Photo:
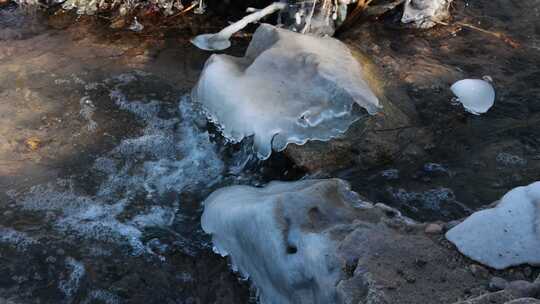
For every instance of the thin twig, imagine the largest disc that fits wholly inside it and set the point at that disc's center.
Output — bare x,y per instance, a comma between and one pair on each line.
187,9
498,35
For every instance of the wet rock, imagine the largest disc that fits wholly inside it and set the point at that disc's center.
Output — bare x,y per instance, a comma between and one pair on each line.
497,284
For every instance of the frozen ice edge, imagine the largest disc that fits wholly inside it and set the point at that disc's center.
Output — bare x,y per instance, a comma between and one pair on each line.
288,88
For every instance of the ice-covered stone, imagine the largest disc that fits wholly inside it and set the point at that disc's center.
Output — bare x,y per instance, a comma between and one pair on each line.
289,88
425,13
506,235
476,95
288,255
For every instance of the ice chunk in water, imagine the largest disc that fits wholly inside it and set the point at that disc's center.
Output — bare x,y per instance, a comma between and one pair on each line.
504,236
281,236
289,88
476,95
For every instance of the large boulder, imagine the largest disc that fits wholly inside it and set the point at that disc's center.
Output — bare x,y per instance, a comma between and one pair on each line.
504,236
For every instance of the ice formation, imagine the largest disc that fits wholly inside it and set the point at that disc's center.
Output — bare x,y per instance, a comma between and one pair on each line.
476,95
280,236
220,41
425,13
440,200
289,88
504,236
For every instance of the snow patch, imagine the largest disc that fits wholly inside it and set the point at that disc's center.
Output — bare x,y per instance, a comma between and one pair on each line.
504,236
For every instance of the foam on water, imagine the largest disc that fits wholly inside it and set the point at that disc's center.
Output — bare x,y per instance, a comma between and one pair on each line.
171,155
440,200
102,296
71,284
510,160
20,240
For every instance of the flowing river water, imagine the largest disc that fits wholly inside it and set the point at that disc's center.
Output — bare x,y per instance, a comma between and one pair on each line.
104,161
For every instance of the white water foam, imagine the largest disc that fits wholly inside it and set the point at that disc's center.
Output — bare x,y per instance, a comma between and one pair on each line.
171,155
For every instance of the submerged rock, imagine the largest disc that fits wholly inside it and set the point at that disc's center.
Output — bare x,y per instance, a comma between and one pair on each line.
316,241
289,88
504,236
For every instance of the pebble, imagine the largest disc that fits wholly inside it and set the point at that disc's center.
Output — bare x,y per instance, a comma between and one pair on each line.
479,271
523,288
433,229
497,283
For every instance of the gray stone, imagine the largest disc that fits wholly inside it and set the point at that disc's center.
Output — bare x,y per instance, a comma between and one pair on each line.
497,283
433,229
523,289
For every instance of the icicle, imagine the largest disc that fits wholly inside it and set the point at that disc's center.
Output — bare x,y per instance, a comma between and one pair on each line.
220,41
